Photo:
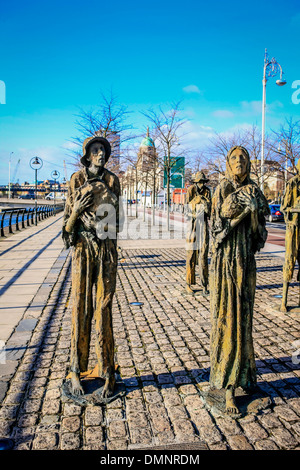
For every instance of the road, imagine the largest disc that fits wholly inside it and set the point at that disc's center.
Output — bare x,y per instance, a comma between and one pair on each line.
276,231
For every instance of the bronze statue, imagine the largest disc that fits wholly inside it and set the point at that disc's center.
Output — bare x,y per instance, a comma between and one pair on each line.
198,199
94,262
238,232
291,209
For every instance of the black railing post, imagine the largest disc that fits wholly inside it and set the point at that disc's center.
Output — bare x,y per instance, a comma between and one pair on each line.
10,220
28,216
23,216
17,219
3,213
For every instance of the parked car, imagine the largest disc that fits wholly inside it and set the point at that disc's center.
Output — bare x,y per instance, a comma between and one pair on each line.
276,215
58,196
26,196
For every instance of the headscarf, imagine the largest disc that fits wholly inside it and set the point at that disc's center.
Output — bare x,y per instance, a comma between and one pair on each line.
229,174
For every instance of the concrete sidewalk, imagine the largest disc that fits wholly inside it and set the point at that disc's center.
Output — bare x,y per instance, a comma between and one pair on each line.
25,260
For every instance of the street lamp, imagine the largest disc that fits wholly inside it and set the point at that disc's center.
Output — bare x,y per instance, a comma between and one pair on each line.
36,164
271,69
9,174
55,175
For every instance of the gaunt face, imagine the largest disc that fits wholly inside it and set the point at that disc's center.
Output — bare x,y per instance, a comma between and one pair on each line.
238,161
96,154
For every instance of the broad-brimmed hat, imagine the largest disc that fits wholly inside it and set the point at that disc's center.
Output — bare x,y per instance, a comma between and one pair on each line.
90,140
200,176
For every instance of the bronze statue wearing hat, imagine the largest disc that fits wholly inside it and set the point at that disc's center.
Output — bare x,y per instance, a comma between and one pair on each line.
198,199
290,206
94,262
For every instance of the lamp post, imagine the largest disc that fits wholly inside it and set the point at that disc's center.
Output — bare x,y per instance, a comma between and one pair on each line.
271,69
36,164
9,163
55,175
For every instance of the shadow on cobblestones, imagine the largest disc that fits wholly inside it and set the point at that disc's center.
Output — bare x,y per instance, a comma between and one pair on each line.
162,351
262,269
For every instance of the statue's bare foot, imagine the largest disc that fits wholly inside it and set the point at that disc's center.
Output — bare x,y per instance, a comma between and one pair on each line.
76,387
189,290
283,308
108,388
230,402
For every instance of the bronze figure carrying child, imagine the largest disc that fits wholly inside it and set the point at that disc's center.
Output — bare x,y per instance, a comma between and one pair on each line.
94,261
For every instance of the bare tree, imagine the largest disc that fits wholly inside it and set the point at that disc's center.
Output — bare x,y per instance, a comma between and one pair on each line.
166,127
109,120
250,138
285,144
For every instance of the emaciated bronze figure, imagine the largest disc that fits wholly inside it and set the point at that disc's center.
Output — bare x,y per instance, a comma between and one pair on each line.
94,262
198,199
238,232
291,209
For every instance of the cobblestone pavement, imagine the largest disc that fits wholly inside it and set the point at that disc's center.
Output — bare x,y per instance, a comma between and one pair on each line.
162,349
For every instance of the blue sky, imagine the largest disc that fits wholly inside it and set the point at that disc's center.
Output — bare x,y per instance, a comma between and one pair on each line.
60,55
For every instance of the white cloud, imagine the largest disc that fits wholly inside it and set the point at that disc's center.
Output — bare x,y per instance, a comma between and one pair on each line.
195,135
251,107
223,113
243,126
192,89
254,108
70,145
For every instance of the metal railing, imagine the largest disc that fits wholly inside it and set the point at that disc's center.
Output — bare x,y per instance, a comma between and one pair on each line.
24,217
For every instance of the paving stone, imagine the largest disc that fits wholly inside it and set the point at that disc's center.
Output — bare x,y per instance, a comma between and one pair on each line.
117,444
71,424
266,444
239,442
116,430
286,413
254,431
183,430
283,438
219,446
27,420
140,436
70,441
270,421
8,412
31,406
45,441
229,427
14,398
93,435
114,414
70,409
51,407
93,416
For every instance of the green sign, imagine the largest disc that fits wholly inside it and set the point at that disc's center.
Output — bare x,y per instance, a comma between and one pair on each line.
177,165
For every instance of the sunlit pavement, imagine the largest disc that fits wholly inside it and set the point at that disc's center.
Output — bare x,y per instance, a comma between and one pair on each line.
162,350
